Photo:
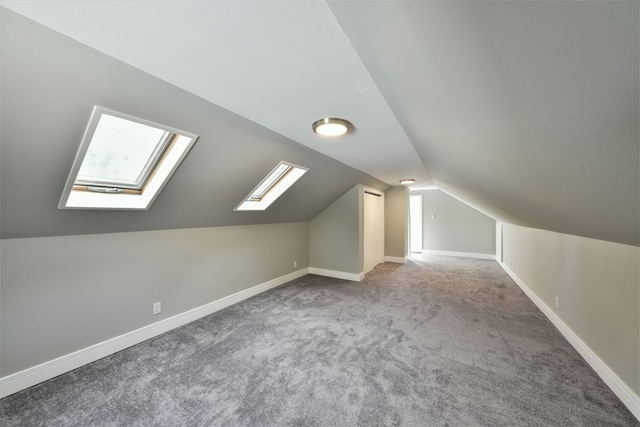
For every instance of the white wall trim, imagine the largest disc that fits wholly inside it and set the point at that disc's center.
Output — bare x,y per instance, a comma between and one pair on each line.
619,387
354,277
396,259
37,374
459,254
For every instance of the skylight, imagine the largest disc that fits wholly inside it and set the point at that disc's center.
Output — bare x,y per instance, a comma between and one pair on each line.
122,153
123,162
273,186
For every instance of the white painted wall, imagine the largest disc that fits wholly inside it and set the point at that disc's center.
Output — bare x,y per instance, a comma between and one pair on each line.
598,287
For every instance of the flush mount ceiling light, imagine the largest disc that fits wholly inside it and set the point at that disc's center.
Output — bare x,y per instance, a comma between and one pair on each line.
332,126
407,181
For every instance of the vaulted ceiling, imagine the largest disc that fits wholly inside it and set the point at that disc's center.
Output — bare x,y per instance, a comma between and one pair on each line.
528,111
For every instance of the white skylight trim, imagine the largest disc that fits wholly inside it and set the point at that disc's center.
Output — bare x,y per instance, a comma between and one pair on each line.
128,173
273,186
269,181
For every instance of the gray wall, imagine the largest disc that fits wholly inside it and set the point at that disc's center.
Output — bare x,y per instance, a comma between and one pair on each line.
457,227
598,285
335,235
62,294
396,236
49,85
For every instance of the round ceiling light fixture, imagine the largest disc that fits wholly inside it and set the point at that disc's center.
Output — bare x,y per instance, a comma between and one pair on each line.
332,126
407,181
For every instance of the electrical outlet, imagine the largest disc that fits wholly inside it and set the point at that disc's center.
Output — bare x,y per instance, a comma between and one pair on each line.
157,308
295,264
557,302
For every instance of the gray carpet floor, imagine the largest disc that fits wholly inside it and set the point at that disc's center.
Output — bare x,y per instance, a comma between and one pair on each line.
438,341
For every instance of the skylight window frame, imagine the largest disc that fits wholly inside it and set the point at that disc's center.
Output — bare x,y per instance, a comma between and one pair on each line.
276,183
156,156
167,157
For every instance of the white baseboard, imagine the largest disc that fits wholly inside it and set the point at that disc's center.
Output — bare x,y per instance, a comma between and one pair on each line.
37,374
619,387
354,277
396,259
459,254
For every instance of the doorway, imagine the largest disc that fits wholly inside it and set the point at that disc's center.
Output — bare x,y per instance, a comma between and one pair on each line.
415,223
373,236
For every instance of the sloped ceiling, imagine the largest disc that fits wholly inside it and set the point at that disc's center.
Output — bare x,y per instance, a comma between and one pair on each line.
49,86
528,111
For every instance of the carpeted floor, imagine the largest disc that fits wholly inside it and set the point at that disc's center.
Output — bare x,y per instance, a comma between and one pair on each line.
439,341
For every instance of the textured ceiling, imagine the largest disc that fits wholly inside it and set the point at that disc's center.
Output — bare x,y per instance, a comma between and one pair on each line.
528,111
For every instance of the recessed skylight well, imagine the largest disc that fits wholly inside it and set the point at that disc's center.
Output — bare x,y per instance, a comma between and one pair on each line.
123,162
283,176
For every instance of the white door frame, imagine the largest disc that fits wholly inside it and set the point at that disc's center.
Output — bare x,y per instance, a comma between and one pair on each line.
415,223
373,229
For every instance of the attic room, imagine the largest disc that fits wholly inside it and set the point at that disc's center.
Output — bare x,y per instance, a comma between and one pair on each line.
500,285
